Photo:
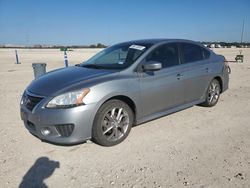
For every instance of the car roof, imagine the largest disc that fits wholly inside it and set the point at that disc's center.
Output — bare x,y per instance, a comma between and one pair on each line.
155,41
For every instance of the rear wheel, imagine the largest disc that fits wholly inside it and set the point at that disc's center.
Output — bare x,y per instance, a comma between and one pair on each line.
212,94
112,123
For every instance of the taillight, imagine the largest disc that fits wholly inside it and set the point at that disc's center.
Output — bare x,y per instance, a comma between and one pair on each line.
226,62
227,65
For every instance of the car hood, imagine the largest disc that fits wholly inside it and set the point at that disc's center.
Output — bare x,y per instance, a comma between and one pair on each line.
65,79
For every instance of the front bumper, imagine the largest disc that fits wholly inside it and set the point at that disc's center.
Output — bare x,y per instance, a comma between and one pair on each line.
66,126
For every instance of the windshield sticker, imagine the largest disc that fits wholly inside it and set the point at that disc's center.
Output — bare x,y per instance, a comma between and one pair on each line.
120,62
137,47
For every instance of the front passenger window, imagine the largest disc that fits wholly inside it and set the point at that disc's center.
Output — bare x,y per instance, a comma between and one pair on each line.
166,54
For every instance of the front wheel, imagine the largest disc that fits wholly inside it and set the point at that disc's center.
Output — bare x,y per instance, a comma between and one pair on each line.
212,94
112,123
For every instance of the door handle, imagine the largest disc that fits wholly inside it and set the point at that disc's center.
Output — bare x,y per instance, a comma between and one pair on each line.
178,76
208,70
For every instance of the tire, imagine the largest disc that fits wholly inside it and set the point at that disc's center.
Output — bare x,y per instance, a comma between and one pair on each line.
212,94
112,123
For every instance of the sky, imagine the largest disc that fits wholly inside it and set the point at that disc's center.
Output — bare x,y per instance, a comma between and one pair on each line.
84,22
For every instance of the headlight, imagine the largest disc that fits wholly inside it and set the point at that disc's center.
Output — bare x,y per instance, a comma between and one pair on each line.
69,99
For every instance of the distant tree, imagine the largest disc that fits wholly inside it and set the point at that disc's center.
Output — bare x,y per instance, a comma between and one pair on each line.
99,45
92,46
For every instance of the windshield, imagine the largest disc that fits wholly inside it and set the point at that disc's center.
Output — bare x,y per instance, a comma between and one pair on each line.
119,56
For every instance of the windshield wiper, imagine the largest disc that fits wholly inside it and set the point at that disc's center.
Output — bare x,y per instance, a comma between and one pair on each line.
93,66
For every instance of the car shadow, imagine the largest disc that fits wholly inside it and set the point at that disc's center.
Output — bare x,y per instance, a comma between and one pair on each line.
40,170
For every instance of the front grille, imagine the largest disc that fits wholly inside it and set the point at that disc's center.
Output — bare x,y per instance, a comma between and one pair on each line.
31,101
65,130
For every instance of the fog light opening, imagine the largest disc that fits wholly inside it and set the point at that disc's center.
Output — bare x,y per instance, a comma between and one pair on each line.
46,131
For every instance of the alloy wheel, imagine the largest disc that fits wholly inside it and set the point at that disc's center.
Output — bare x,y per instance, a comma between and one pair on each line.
213,93
115,124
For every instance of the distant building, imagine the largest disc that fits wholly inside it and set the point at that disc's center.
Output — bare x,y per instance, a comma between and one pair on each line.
13,46
212,45
217,46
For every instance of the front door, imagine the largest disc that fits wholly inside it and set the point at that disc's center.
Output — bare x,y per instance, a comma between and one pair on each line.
162,90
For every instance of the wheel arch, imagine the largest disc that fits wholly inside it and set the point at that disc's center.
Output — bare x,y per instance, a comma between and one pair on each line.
126,100
219,79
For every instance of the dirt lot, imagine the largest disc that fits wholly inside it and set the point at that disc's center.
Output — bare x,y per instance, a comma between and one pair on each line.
197,147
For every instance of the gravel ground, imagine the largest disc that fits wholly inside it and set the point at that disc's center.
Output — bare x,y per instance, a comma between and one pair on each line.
197,147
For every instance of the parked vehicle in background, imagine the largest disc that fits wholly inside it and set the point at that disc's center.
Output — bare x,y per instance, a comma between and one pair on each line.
123,85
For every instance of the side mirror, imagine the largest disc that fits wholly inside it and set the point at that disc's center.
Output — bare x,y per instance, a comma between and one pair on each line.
152,66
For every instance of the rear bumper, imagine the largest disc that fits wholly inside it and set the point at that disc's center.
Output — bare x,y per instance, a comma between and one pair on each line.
66,126
225,77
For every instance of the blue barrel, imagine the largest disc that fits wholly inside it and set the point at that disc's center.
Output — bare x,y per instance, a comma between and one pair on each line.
39,69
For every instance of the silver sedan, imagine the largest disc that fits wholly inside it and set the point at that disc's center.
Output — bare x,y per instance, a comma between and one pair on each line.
123,85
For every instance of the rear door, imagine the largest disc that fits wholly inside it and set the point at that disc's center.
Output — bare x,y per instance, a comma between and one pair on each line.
197,72
163,89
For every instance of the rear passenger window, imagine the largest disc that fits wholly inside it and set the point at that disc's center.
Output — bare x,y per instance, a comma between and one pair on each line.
166,54
192,53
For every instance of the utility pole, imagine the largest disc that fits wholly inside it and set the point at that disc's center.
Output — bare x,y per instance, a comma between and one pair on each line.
242,31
